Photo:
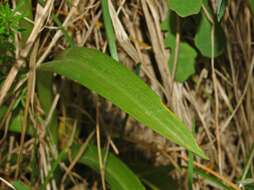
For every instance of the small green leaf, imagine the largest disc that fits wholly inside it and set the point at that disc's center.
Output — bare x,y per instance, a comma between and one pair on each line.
109,29
190,164
3,110
186,55
185,8
170,40
220,8
248,183
45,95
165,24
186,62
118,175
20,186
16,123
113,81
251,5
25,8
247,168
203,38
212,180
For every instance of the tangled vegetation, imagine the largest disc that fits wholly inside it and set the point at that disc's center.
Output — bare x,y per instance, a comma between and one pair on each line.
126,95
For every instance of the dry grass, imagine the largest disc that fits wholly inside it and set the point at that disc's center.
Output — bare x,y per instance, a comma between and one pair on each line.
221,100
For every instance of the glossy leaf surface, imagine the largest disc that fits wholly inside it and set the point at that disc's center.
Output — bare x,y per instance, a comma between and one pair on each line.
113,81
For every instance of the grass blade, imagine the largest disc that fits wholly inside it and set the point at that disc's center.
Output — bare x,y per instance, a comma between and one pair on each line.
109,29
220,9
190,163
247,166
190,170
212,180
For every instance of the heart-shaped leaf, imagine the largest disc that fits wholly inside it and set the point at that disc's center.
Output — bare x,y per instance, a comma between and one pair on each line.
186,54
203,38
185,62
185,8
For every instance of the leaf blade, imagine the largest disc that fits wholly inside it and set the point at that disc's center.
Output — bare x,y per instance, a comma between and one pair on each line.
203,38
220,9
118,175
185,63
113,81
185,8
20,186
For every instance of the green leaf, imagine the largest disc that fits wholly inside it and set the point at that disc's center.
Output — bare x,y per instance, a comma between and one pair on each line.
190,164
155,177
44,85
113,81
3,110
20,186
185,8
109,29
25,8
251,5
16,123
220,8
118,175
247,183
69,40
247,168
203,38
186,54
212,180
186,62
165,24
170,40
